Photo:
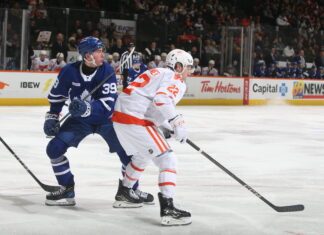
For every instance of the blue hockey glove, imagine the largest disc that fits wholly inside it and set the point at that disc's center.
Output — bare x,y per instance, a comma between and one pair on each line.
51,124
79,108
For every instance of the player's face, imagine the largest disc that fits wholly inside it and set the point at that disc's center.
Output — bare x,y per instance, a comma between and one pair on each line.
99,56
184,71
187,71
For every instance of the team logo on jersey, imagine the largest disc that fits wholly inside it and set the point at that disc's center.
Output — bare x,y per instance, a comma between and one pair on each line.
3,85
154,72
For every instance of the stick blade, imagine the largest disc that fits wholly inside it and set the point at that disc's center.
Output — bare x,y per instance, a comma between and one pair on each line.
50,188
292,208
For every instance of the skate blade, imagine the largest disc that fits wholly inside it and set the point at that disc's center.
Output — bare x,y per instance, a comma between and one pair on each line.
169,221
149,203
61,202
123,204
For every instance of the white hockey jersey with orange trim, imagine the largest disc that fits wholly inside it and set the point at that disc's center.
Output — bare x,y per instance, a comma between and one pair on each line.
150,98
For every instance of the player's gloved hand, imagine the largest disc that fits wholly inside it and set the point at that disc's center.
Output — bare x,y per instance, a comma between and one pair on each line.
79,108
51,124
179,128
166,132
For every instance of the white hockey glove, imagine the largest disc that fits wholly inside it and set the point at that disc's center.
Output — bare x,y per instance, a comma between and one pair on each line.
179,128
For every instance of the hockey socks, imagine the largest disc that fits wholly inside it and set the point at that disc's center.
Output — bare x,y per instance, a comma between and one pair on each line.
61,168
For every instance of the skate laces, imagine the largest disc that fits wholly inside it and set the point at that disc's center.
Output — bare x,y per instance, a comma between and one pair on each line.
133,194
141,193
59,192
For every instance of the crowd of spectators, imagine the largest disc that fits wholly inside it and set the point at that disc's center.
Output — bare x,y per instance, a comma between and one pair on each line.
289,31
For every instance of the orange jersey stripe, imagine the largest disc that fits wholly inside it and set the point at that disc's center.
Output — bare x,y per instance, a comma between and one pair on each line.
167,184
124,118
169,170
161,93
159,104
155,140
130,178
161,139
136,168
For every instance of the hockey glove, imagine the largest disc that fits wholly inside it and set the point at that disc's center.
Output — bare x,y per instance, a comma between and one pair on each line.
79,108
51,124
179,128
166,132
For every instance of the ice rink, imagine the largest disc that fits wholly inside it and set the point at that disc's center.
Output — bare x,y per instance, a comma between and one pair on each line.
278,150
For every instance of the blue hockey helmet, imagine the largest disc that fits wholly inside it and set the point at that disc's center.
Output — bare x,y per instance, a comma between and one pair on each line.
89,45
137,60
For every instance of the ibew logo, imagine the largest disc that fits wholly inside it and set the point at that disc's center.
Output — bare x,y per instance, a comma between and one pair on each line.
283,89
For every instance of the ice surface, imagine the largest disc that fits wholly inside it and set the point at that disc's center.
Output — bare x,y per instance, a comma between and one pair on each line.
278,150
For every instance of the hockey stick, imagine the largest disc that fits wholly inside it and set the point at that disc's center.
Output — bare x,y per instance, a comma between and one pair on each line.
101,83
47,188
291,208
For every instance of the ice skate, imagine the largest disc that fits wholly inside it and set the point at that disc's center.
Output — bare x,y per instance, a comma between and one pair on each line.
170,215
127,198
62,197
147,198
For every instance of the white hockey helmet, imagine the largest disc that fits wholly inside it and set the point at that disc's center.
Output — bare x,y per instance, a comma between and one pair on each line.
179,56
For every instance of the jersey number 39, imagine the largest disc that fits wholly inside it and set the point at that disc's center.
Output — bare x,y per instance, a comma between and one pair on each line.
109,88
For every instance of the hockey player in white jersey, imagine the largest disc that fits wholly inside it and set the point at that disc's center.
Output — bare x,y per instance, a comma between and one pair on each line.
147,103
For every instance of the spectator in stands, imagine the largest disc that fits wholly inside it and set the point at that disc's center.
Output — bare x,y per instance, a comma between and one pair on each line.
194,52
105,40
319,60
285,71
321,73
293,70
300,59
58,63
118,47
288,52
41,63
271,57
72,45
210,49
162,63
210,70
109,59
271,71
115,62
282,20
230,71
156,61
313,72
260,70
31,56
151,51
196,67
59,46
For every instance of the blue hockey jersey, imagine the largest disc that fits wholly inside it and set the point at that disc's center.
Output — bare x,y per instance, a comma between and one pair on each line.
133,74
72,83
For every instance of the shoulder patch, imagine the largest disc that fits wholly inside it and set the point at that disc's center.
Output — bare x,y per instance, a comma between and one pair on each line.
154,72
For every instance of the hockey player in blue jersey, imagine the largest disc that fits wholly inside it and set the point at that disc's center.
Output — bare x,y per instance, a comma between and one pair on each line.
137,69
74,82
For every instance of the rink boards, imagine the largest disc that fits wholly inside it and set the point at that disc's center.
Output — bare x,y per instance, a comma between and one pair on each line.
32,88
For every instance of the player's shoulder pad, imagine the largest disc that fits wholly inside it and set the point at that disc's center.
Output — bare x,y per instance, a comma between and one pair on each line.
107,70
168,72
69,69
